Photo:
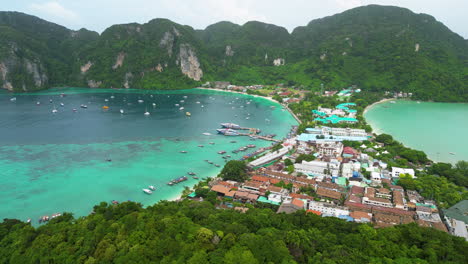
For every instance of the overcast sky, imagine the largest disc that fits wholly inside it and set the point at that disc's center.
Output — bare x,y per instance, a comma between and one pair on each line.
99,14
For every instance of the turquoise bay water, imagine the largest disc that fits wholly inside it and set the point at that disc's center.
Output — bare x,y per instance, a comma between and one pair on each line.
435,128
57,162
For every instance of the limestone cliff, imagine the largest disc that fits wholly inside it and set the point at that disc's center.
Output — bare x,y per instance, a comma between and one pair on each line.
189,64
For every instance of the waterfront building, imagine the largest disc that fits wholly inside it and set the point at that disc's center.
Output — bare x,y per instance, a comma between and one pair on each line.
396,172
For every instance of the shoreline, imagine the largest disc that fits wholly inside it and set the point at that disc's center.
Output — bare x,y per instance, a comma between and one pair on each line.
376,103
254,95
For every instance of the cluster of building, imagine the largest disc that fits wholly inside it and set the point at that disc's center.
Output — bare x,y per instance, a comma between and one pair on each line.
342,113
333,184
343,93
399,94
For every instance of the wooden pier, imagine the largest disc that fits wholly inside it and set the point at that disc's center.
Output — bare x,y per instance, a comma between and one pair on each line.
260,137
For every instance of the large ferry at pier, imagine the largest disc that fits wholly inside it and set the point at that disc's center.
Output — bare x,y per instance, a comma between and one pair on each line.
230,125
227,132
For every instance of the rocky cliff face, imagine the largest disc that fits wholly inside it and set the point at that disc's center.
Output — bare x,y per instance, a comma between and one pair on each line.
32,74
189,64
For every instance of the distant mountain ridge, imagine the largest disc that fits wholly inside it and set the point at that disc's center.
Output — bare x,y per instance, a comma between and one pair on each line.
377,47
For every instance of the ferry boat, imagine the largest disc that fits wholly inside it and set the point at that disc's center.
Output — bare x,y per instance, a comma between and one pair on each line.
178,180
230,125
227,132
147,191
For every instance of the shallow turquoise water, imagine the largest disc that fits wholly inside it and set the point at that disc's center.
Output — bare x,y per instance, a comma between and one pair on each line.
57,162
435,128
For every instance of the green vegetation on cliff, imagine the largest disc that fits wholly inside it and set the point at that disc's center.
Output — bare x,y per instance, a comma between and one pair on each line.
196,232
379,48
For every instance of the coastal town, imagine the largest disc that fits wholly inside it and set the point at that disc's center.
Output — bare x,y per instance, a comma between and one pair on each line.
330,172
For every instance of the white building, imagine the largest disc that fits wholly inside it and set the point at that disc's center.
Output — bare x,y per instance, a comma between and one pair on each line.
347,169
348,132
270,156
319,169
327,208
329,148
457,228
397,171
376,177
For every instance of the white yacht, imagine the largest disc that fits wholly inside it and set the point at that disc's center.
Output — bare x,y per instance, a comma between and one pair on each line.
182,108
154,104
140,101
147,191
147,113
121,111
13,99
152,188
62,105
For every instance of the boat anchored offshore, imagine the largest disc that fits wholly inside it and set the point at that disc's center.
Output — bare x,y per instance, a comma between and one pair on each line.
227,132
121,111
147,191
152,188
188,114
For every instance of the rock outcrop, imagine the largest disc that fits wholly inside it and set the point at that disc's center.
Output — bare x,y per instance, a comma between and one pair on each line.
86,67
119,60
3,75
94,84
189,64
167,42
229,51
128,77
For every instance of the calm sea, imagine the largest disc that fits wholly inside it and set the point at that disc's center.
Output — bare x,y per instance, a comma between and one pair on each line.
58,162
438,129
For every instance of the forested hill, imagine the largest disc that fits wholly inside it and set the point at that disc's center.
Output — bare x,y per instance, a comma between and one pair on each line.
375,47
198,233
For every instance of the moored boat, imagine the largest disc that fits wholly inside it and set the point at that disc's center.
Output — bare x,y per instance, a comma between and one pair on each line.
147,191
230,125
227,132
